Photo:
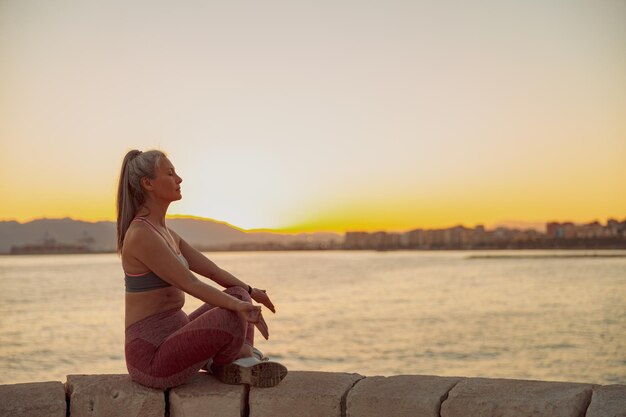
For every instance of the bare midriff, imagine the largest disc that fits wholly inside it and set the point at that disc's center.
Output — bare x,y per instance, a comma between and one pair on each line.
145,304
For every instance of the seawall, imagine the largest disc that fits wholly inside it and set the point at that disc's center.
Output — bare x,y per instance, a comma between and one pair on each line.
314,394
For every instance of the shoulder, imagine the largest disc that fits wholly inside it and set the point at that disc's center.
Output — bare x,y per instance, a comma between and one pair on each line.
144,244
139,234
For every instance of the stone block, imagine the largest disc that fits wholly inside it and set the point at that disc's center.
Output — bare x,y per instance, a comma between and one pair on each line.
33,399
205,396
608,401
514,398
303,394
112,396
399,396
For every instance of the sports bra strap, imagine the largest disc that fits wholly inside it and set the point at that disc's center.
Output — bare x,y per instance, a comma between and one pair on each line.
145,220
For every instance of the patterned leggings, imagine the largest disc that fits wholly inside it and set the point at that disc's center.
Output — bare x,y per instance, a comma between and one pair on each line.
164,350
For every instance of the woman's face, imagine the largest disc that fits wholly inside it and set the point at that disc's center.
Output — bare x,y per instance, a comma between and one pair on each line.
166,185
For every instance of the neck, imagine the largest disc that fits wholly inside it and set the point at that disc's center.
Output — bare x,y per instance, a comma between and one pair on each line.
155,211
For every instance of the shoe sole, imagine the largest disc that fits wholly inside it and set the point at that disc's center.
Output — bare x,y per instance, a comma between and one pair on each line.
262,375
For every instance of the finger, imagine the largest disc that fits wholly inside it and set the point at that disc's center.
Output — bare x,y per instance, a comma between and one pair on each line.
255,314
262,326
268,303
263,330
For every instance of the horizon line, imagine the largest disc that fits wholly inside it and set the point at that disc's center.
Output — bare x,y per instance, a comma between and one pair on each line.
287,232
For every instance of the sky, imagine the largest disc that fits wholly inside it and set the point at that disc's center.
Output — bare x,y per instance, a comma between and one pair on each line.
319,116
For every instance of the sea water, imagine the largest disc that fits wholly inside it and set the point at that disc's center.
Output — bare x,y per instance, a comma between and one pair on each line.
528,315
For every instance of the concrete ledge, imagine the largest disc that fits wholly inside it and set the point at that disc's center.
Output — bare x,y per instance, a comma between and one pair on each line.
303,394
33,400
205,396
112,396
483,397
315,394
399,396
608,401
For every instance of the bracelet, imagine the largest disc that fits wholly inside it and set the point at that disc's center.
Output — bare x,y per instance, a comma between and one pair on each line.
250,290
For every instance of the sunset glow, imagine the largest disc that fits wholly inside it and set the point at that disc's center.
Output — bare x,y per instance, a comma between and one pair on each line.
332,117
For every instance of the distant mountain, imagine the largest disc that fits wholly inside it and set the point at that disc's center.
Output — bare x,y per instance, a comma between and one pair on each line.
207,233
200,233
62,230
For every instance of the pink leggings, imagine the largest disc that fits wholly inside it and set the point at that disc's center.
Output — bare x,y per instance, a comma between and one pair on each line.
166,349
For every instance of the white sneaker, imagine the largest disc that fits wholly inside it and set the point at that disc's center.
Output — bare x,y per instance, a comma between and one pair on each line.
259,355
251,371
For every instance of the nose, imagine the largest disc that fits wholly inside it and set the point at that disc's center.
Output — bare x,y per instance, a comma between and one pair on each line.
179,179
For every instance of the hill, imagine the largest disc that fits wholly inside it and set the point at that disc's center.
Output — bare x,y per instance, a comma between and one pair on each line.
203,234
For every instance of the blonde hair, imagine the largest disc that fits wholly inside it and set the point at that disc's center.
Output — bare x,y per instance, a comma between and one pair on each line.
130,194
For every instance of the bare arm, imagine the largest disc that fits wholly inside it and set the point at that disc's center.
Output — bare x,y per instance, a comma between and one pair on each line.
202,265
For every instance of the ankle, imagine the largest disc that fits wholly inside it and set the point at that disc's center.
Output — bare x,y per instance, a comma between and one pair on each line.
245,352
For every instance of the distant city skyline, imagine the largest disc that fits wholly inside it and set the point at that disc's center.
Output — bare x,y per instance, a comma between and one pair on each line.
62,236
307,116
542,227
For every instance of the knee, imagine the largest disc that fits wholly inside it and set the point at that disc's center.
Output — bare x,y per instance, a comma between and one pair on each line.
239,292
237,326
223,320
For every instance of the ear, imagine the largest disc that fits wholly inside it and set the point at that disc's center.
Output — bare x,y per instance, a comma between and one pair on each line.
146,183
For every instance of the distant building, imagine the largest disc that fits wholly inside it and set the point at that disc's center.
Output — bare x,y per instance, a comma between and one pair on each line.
566,235
593,230
561,230
356,240
416,238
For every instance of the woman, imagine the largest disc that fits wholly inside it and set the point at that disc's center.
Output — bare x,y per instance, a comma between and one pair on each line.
164,346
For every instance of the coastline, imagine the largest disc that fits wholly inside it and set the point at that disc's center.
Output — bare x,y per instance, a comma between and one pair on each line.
287,249
593,255
60,236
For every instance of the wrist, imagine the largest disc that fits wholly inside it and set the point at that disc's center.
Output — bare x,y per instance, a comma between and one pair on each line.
236,304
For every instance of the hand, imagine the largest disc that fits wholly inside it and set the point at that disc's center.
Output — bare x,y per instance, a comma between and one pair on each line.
252,314
260,296
248,311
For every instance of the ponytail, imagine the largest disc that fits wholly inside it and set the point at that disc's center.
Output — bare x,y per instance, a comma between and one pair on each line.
130,194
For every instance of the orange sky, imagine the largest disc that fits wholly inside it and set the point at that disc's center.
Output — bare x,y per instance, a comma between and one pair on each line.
335,117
